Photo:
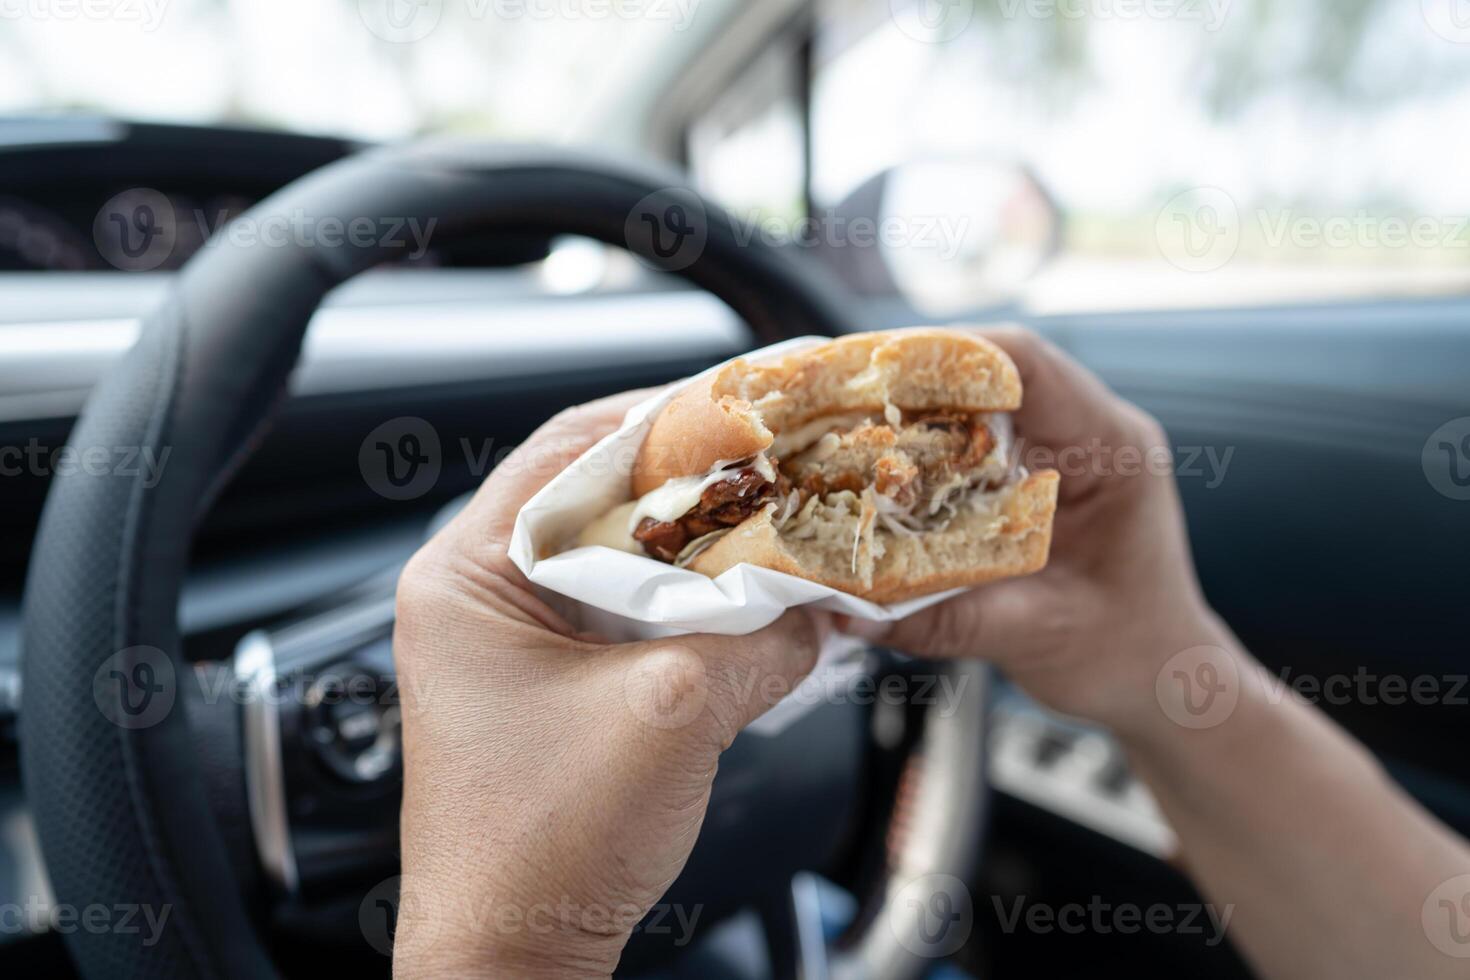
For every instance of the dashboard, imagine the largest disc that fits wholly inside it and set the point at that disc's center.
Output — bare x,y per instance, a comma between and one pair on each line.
64,178
82,194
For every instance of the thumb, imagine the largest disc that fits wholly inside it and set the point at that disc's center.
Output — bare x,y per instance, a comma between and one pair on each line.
990,623
720,684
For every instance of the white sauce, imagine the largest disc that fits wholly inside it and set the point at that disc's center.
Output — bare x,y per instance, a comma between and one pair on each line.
804,436
679,496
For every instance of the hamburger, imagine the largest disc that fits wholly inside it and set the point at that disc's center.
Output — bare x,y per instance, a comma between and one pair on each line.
882,464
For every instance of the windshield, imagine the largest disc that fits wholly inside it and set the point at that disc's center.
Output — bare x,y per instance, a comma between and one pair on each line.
1198,151
1195,151
374,69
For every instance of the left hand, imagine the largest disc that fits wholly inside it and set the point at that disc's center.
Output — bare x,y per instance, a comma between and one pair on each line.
554,784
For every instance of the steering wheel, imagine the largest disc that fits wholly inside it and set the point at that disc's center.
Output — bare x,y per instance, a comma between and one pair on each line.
121,772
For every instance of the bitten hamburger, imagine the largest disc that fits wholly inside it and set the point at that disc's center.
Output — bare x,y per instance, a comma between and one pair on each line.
881,464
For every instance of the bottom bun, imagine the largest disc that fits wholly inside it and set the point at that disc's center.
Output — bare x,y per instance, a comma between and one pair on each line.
1010,537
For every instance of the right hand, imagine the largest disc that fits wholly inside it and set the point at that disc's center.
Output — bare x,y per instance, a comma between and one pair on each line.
554,783
1088,635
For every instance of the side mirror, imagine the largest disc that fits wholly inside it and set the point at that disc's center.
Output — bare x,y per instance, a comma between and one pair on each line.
950,236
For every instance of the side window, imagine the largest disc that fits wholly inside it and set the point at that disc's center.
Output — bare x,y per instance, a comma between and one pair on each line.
747,149
1191,152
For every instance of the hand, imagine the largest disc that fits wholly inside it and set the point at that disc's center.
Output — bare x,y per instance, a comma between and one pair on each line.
1088,635
554,784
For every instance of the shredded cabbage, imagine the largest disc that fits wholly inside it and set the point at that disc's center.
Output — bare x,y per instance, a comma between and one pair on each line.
871,511
695,548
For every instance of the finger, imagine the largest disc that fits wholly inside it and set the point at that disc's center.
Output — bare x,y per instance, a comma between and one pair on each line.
1063,401
549,450
717,685
992,623
1069,420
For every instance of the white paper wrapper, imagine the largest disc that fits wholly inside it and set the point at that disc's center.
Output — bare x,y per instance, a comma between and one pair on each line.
631,597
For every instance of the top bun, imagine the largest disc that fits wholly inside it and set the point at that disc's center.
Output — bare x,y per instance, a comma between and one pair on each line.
736,412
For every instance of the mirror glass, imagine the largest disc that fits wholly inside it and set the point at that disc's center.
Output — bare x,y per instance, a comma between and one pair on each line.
961,234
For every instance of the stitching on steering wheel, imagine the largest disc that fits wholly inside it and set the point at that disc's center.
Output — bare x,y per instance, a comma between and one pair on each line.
173,341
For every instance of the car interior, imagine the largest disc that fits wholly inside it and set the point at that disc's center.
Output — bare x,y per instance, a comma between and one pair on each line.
1248,219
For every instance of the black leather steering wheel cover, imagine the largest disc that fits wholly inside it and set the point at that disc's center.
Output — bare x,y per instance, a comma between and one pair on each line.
121,811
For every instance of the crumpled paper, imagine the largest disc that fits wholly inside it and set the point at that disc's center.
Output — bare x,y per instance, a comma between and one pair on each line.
631,597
